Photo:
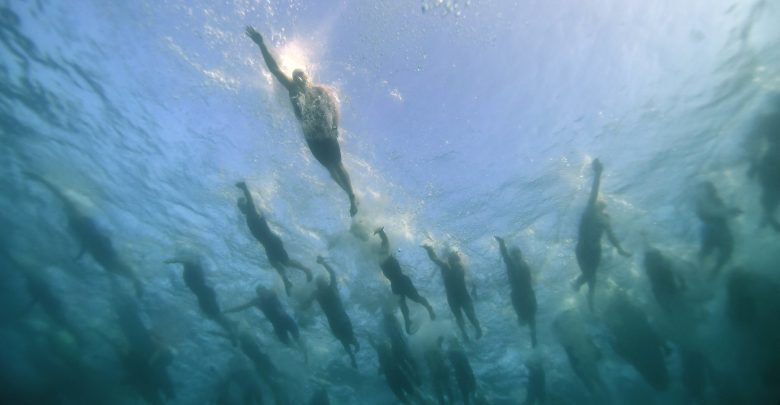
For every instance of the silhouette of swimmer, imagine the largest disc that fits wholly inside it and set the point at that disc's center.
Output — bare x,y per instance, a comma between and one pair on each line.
667,285
317,112
440,373
458,298
594,223
400,283
263,365
320,397
267,302
523,297
41,293
464,374
767,168
399,382
274,249
195,280
150,354
715,232
582,353
239,385
327,295
399,345
536,392
92,239
636,342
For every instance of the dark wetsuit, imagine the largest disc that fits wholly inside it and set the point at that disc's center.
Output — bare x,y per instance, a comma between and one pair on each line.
665,283
716,235
284,325
458,296
588,248
196,282
339,321
536,391
440,376
400,283
464,375
399,346
396,379
270,241
522,292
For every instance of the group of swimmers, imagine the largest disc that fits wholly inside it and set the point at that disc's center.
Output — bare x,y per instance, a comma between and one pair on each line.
145,357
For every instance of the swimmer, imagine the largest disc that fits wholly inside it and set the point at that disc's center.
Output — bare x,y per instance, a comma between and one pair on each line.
317,112
272,244
715,232
667,284
767,168
93,240
399,345
398,381
440,373
536,393
195,280
594,223
454,275
327,295
284,325
400,283
464,374
523,296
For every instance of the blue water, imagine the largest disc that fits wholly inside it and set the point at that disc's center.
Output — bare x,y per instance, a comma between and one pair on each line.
459,121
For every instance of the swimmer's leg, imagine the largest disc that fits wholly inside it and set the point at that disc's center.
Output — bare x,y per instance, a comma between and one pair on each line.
591,290
296,264
340,176
468,308
416,297
405,313
283,274
578,282
456,310
532,328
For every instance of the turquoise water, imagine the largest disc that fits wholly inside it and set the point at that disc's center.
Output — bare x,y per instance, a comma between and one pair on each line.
459,121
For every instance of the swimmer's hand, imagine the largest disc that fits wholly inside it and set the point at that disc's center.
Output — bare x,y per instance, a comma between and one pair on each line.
241,185
379,230
499,239
426,246
597,166
254,35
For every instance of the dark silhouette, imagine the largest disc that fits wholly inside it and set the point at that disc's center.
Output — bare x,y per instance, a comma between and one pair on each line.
454,276
715,232
536,392
327,295
594,223
399,382
274,250
195,280
400,283
317,111
93,240
523,296
667,285
284,325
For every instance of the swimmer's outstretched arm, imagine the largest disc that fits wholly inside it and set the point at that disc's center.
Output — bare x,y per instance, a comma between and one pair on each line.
330,270
594,190
269,59
248,196
433,257
613,239
502,248
385,243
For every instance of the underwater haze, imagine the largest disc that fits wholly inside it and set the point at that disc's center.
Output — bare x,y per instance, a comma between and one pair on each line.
125,126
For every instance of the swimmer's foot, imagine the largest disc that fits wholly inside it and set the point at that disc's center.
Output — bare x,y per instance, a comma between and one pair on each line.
353,206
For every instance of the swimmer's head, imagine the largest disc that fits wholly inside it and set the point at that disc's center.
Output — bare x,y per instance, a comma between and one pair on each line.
242,205
300,78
